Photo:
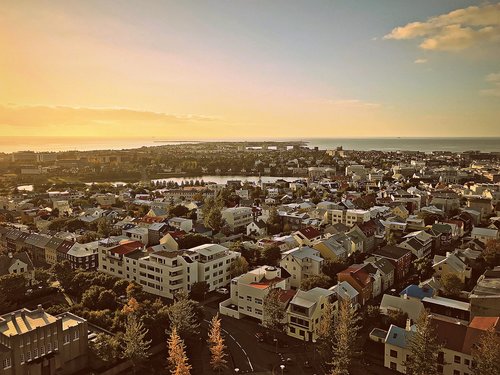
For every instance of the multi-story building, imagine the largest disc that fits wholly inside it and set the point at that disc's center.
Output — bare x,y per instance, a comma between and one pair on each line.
358,275
35,342
249,290
399,257
305,312
164,272
350,217
237,217
459,340
83,255
18,264
419,243
301,263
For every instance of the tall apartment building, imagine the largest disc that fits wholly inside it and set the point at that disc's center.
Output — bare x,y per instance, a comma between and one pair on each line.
301,263
163,272
350,217
35,342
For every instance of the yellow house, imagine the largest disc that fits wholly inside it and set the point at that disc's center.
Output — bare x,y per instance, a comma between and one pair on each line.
305,311
451,264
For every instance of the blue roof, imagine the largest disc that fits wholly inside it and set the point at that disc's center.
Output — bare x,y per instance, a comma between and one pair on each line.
398,336
417,292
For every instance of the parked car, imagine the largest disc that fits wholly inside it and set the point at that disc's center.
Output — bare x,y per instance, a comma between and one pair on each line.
222,290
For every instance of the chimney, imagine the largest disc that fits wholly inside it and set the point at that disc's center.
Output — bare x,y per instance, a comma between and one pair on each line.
408,324
10,254
39,308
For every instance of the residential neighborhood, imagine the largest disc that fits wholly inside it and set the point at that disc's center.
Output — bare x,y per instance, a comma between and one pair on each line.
395,247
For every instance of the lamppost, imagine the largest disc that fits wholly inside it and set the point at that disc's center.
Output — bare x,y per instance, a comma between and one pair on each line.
282,367
276,343
236,370
314,349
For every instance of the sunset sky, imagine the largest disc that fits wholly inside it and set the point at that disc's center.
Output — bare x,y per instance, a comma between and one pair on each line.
249,69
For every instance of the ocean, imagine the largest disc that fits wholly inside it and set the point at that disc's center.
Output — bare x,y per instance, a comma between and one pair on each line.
490,144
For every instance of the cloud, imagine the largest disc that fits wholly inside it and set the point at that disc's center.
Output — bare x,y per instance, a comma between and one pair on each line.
420,61
454,31
39,116
354,103
494,80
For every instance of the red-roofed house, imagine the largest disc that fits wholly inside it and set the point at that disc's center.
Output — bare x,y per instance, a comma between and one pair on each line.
307,236
359,278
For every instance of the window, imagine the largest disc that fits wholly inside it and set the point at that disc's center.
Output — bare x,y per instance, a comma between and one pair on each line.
258,301
42,350
394,366
35,352
28,355
467,362
457,359
66,338
55,345
22,358
394,353
249,298
456,372
7,363
49,347
249,308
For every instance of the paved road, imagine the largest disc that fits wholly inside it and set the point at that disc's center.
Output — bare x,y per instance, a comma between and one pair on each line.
249,356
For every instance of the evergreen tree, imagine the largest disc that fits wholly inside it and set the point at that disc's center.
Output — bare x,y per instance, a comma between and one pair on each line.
177,359
487,354
326,330
274,311
134,344
345,334
424,348
182,316
217,347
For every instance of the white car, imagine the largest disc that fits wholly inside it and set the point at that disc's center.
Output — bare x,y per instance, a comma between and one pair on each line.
222,290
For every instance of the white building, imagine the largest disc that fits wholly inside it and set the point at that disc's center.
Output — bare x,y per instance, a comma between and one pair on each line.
350,217
237,217
181,223
164,272
249,290
301,263
484,234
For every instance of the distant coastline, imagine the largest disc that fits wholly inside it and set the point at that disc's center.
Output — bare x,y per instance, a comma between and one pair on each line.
425,144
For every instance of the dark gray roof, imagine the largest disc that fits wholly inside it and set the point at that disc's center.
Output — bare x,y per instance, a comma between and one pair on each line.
6,261
54,243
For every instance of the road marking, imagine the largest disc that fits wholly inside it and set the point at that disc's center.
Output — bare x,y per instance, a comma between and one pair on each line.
237,343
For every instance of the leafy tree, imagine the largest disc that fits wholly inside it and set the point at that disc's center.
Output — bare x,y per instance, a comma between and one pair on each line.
57,224
487,354
217,347
134,344
345,331
274,311
198,290
120,287
214,219
271,255
177,359
183,316
423,266
178,211
326,330
238,267
313,281
90,297
397,317
491,253
424,348
106,300
332,267
452,284
103,227
105,347
273,221
13,286
373,314
73,225
42,276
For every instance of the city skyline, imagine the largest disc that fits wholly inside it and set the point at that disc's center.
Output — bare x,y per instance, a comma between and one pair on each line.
212,69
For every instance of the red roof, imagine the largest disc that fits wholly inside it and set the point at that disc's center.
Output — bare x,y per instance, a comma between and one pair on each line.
127,247
358,273
310,232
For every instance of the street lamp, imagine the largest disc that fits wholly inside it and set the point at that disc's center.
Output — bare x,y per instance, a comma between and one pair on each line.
276,342
282,367
314,349
236,370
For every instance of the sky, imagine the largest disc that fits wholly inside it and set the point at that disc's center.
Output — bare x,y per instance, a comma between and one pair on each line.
247,69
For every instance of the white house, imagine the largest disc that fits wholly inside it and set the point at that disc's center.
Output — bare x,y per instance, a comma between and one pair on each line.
301,263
